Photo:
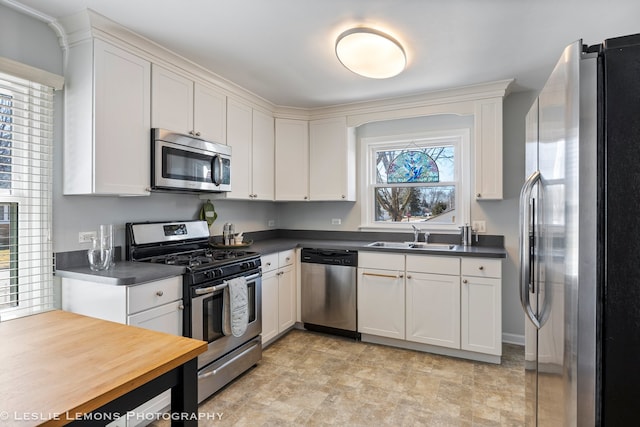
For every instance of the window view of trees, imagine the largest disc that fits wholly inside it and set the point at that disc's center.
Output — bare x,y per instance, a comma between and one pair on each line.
421,188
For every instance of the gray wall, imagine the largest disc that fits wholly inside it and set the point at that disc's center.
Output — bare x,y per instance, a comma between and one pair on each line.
36,44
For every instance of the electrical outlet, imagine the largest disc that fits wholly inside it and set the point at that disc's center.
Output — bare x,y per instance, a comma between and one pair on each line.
86,236
336,221
479,226
271,223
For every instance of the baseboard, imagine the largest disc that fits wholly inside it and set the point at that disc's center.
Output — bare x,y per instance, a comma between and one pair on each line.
513,339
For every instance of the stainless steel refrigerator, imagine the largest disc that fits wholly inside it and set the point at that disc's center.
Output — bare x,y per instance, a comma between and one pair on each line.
580,240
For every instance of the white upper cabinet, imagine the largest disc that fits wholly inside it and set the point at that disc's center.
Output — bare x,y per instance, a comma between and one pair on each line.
292,159
250,134
107,121
209,113
181,105
239,118
263,156
332,154
488,149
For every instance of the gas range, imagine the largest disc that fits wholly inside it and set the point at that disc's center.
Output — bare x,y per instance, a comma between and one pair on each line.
206,294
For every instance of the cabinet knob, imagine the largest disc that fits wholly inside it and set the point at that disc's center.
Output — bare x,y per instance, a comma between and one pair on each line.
197,133
268,264
401,276
306,197
478,195
464,281
287,259
181,307
408,276
344,197
159,293
481,267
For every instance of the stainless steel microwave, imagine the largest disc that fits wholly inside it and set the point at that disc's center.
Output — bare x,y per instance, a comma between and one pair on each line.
185,163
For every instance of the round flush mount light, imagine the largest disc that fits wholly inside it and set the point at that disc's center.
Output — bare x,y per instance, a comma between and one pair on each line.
370,53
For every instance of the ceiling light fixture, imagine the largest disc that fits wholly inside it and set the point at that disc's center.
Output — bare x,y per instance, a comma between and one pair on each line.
370,53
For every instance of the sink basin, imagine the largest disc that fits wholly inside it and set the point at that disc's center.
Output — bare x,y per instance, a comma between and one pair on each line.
433,246
413,245
399,245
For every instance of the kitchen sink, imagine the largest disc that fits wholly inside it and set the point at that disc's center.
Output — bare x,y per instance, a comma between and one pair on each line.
413,245
399,245
433,246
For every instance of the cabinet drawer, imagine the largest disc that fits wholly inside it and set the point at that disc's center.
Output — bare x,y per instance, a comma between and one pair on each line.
269,262
165,318
286,257
482,267
434,264
381,260
153,294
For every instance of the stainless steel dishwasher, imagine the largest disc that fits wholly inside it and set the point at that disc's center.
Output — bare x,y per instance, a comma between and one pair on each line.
329,291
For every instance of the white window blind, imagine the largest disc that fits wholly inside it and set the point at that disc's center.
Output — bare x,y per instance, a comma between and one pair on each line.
26,259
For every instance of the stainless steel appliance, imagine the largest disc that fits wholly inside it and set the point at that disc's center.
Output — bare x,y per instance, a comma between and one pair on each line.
208,271
188,164
328,294
579,223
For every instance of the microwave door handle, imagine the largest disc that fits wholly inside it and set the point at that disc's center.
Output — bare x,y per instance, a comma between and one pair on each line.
216,177
526,239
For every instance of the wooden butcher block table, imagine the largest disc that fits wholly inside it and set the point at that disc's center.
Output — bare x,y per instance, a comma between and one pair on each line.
59,367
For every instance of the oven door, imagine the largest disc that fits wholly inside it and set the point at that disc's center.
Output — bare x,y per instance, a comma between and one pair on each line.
189,168
207,312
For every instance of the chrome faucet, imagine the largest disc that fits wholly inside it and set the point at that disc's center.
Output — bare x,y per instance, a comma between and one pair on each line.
416,233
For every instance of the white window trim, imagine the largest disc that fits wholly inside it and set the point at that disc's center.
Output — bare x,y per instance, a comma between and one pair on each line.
33,194
461,138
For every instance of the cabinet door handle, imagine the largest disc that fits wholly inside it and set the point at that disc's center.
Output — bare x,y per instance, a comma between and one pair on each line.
464,281
390,276
159,293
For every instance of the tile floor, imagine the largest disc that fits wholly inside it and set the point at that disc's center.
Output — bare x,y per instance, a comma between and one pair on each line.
310,379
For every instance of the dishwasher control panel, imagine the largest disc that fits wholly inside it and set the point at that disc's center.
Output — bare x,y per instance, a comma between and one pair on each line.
330,256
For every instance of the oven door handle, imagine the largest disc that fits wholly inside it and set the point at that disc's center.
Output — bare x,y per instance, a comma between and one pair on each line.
216,288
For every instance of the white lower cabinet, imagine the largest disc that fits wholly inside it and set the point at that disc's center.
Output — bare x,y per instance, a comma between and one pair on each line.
433,309
153,305
381,294
278,293
442,304
433,300
481,306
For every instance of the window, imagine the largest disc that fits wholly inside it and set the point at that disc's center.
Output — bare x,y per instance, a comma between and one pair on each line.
420,179
26,264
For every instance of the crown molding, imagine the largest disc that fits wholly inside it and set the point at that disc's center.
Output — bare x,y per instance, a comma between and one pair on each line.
85,25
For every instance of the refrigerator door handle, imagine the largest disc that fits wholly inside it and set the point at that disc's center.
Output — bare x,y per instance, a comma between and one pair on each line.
525,238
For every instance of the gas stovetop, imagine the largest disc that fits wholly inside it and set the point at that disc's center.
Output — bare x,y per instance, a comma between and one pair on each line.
186,244
203,258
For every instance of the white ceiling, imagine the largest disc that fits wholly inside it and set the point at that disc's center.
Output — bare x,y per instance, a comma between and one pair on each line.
283,50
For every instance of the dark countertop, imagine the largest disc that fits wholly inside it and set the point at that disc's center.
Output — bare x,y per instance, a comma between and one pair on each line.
281,244
123,273
74,265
